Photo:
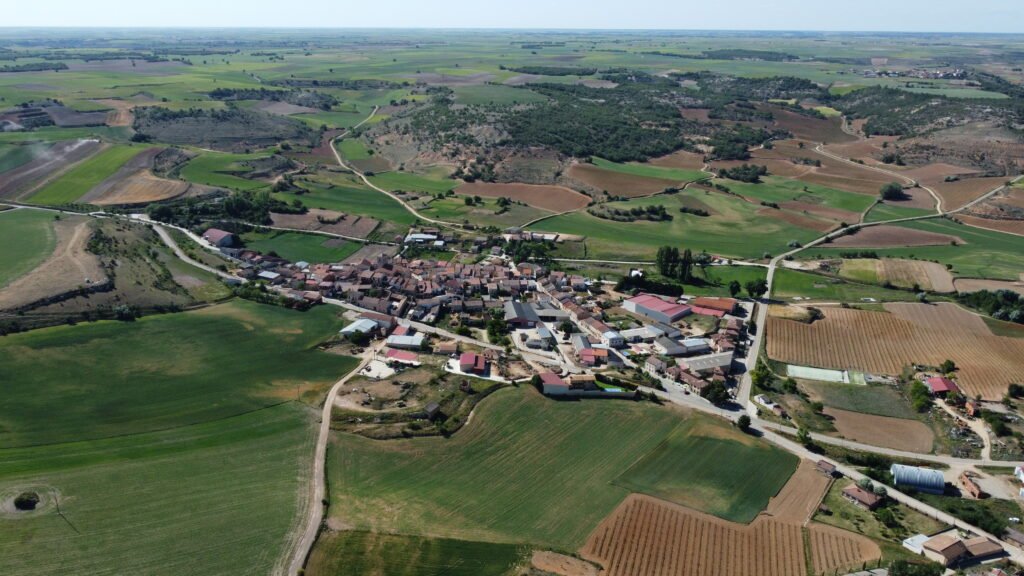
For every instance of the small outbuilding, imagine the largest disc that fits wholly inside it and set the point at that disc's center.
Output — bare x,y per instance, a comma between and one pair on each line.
920,479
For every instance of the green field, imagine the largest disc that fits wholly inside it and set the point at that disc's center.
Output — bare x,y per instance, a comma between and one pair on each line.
221,169
890,211
985,253
486,213
160,372
879,400
717,233
779,190
353,149
355,553
705,464
794,283
83,177
526,470
714,280
354,200
28,239
435,183
648,170
210,499
296,247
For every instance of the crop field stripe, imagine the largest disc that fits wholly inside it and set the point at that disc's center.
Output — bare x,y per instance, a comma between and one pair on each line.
28,239
81,178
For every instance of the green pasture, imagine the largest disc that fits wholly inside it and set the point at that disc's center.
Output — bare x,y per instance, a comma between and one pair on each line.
355,553
778,190
790,284
221,169
880,400
485,213
351,199
296,246
83,177
680,175
526,470
219,497
705,464
12,156
160,372
890,211
28,239
434,182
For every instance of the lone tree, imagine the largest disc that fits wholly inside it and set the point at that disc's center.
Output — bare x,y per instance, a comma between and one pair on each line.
893,191
743,423
26,501
735,288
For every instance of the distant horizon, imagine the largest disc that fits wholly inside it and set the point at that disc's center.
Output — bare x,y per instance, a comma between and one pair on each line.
516,29
870,16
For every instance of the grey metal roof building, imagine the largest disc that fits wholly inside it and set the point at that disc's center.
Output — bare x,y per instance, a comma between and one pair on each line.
921,479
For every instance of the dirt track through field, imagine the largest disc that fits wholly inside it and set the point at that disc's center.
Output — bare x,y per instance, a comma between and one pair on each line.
885,342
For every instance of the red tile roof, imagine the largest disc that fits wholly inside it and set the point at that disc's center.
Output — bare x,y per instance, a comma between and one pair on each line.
402,356
722,304
652,302
939,384
551,379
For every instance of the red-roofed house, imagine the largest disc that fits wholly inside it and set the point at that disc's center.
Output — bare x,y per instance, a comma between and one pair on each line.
654,307
472,363
403,357
940,386
553,385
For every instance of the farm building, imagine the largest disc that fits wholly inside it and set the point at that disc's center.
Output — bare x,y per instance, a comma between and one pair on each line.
220,238
970,486
921,479
446,348
414,342
949,549
940,386
656,308
361,326
861,497
645,333
669,347
705,364
825,467
520,315
386,323
724,305
402,357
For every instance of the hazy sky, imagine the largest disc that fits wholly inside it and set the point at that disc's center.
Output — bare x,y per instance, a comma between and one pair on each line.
861,15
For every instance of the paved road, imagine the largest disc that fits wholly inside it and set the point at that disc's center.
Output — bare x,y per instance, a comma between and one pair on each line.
315,511
169,241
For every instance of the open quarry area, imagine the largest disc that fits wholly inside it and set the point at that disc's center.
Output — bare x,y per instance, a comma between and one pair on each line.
510,302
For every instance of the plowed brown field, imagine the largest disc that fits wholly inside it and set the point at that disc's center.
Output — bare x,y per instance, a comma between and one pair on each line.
551,198
883,343
886,236
649,537
810,128
895,433
619,183
1011,226
956,194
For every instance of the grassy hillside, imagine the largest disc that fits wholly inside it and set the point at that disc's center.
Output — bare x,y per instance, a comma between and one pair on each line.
160,372
28,239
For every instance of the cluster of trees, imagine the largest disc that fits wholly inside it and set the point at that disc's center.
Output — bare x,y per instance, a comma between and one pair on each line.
893,112
551,70
307,98
893,158
734,144
254,207
746,173
1001,304
526,251
695,211
33,67
920,398
653,213
892,191
850,254
673,264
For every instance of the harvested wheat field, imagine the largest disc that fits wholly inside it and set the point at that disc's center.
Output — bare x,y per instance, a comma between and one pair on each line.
895,433
316,220
618,183
886,236
1008,226
965,285
69,267
908,333
837,214
551,198
956,194
649,537
930,276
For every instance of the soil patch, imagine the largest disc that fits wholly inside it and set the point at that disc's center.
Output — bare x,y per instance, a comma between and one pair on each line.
894,433
965,285
798,220
551,198
555,563
886,236
680,159
810,128
956,194
1010,226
